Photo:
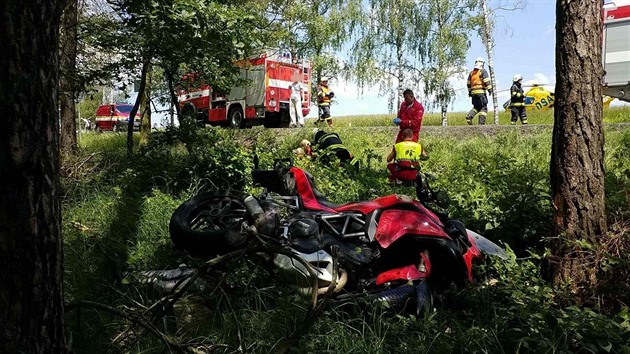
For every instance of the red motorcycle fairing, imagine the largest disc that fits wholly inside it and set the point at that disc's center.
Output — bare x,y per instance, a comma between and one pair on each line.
395,223
409,272
305,190
471,253
310,201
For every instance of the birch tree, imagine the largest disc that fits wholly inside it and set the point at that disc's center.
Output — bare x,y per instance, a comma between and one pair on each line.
444,51
388,39
487,26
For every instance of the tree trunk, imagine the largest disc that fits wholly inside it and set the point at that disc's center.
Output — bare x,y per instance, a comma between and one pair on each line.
145,104
171,91
444,116
67,94
489,42
146,63
399,73
577,158
31,299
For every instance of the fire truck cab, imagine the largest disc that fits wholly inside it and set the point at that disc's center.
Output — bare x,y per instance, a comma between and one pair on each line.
616,49
262,99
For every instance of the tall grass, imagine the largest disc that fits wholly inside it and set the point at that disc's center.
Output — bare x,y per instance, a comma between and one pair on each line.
611,115
116,213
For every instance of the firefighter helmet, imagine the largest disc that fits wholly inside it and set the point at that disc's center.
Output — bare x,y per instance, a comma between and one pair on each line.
517,77
479,62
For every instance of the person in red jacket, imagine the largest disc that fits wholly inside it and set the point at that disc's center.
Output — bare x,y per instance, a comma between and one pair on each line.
409,116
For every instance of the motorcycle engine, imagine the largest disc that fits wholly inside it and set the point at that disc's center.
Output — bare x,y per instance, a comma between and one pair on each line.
304,228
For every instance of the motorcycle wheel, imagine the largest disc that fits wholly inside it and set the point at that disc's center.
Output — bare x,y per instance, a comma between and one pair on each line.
209,224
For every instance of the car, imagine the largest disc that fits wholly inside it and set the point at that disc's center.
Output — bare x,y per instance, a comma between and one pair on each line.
115,117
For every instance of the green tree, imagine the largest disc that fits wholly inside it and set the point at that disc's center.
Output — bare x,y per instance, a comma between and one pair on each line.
204,36
315,29
388,36
31,298
444,51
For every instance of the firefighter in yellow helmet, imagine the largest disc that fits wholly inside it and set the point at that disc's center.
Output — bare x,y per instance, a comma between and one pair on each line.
517,101
324,96
478,83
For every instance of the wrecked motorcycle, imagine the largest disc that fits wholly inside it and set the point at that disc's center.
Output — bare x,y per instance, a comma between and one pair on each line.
394,249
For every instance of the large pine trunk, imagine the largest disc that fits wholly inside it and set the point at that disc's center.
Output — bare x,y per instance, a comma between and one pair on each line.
577,159
31,301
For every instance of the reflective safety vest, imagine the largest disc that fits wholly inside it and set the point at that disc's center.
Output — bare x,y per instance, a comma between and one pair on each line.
518,97
478,82
408,153
322,97
330,142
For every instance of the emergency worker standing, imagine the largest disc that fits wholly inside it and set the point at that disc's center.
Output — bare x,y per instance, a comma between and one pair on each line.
329,145
478,82
409,116
324,95
295,103
403,160
517,101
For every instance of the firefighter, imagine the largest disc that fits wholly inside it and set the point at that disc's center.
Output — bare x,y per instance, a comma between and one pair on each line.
329,145
409,116
517,101
478,82
324,95
403,160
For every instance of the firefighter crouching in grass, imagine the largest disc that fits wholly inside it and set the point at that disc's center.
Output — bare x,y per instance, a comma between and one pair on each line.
403,161
328,146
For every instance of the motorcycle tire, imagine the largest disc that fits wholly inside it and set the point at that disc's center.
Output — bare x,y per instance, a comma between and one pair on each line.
209,224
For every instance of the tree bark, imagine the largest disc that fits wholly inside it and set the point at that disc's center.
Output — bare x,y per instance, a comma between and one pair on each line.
67,94
31,299
145,105
146,63
577,158
488,41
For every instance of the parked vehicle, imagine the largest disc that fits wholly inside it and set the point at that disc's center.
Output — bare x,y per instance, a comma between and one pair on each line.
616,49
115,117
393,248
262,99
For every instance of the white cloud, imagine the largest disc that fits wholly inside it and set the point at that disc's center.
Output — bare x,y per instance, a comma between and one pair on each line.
540,79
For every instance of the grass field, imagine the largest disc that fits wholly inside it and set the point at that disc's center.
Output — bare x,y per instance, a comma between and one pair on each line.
116,212
611,115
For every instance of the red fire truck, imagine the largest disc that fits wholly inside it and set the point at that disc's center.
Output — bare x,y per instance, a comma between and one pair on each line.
616,49
263,99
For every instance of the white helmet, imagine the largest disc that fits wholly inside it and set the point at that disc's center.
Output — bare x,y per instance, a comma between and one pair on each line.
324,78
479,62
517,77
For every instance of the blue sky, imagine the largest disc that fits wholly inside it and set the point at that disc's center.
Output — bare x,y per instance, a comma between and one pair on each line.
525,44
